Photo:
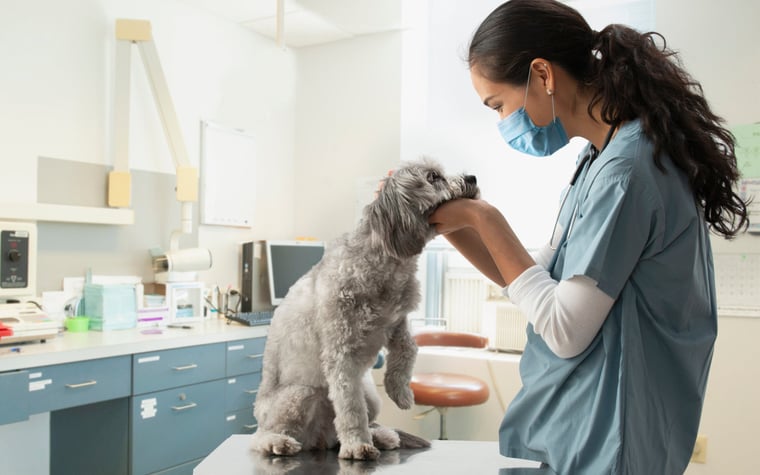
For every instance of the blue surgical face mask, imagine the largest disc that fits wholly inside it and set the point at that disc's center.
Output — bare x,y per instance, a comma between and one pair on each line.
523,135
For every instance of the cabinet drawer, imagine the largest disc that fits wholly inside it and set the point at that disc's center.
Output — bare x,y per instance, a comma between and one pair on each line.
240,422
175,426
245,356
165,369
15,403
241,391
76,384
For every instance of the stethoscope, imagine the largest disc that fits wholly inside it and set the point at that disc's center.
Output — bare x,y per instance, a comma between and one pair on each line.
587,159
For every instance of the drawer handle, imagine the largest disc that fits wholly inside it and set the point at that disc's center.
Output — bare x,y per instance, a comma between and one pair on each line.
185,368
250,426
253,357
251,391
185,407
82,385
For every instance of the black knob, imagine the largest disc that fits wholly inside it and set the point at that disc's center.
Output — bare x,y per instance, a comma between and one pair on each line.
14,255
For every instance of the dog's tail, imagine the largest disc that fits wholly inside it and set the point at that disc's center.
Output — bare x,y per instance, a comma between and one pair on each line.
411,441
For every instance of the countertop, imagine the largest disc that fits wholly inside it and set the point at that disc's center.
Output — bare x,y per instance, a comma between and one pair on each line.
445,457
69,347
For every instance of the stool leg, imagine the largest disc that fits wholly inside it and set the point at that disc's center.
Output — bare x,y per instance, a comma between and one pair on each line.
442,411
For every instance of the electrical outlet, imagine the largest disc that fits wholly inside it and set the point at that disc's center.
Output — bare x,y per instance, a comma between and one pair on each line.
699,455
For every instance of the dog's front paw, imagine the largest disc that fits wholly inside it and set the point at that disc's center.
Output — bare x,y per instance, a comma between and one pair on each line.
358,451
402,396
274,444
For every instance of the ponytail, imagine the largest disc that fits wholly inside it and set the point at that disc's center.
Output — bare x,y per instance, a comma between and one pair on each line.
634,77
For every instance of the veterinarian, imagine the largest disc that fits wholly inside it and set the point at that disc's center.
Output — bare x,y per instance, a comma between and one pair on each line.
621,301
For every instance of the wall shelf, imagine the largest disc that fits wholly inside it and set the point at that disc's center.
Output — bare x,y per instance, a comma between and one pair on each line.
65,213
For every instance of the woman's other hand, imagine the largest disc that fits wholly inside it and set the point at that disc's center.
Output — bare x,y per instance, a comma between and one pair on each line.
456,214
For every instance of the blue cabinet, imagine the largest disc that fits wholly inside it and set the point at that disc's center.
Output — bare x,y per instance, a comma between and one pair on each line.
173,368
241,391
158,412
186,401
15,403
240,396
76,384
244,364
245,356
177,425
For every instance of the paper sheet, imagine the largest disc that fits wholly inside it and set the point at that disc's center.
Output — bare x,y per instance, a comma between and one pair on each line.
750,188
748,149
748,159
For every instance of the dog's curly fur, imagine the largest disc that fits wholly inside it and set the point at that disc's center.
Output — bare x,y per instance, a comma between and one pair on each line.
316,389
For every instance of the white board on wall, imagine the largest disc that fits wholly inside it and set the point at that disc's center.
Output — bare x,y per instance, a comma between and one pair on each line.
227,176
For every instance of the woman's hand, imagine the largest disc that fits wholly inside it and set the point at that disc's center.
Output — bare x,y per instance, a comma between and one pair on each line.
455,215
481,233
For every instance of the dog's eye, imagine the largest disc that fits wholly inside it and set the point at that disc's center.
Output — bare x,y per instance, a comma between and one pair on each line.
433,177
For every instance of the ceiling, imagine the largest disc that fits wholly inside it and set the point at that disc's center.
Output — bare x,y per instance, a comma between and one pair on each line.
309,22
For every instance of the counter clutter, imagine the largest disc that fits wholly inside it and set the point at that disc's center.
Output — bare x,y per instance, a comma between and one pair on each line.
77,346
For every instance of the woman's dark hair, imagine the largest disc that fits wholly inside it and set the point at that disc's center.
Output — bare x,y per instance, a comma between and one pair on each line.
629,77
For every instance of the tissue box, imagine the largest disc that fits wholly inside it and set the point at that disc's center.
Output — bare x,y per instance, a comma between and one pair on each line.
110,306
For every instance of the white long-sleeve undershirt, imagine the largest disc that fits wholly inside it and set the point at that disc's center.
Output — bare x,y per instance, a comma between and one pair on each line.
566,314
543,256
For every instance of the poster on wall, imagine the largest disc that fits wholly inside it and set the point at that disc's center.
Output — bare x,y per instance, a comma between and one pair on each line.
748,158
227,176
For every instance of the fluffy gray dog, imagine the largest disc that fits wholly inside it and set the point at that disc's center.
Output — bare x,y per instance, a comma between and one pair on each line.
317,390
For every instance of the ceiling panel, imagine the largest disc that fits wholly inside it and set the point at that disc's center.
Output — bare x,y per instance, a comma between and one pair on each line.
309,22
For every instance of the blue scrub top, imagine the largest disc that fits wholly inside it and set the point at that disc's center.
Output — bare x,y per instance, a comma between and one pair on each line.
631,402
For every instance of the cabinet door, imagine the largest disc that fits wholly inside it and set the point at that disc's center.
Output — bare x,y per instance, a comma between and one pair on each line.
245,356
240,422
177,425
241,391
76,384
14,387
165,369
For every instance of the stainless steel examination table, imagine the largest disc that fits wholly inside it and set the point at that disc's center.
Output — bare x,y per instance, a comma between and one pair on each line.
445,457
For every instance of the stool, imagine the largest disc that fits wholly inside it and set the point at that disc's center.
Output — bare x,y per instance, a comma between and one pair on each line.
445,390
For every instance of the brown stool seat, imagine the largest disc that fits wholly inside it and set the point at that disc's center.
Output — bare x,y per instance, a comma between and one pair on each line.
445,390
448,390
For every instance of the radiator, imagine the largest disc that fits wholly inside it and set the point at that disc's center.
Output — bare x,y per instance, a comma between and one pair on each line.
464,294
504,325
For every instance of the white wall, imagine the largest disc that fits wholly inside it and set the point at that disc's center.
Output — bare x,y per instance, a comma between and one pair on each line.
56,93
347,126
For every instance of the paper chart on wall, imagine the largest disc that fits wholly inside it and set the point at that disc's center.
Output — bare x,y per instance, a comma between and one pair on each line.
748,159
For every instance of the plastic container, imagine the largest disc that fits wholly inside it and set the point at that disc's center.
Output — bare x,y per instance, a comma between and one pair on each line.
78,324
110,306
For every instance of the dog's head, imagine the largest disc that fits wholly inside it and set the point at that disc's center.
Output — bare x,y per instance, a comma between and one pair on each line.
398,218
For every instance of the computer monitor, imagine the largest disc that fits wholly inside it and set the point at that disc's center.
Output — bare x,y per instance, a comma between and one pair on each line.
287,261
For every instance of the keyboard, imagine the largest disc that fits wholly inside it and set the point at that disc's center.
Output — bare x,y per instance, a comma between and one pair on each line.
263,317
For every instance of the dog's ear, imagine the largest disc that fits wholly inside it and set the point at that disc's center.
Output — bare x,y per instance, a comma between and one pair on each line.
395,226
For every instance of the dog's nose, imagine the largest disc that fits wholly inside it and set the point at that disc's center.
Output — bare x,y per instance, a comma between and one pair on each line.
470,180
